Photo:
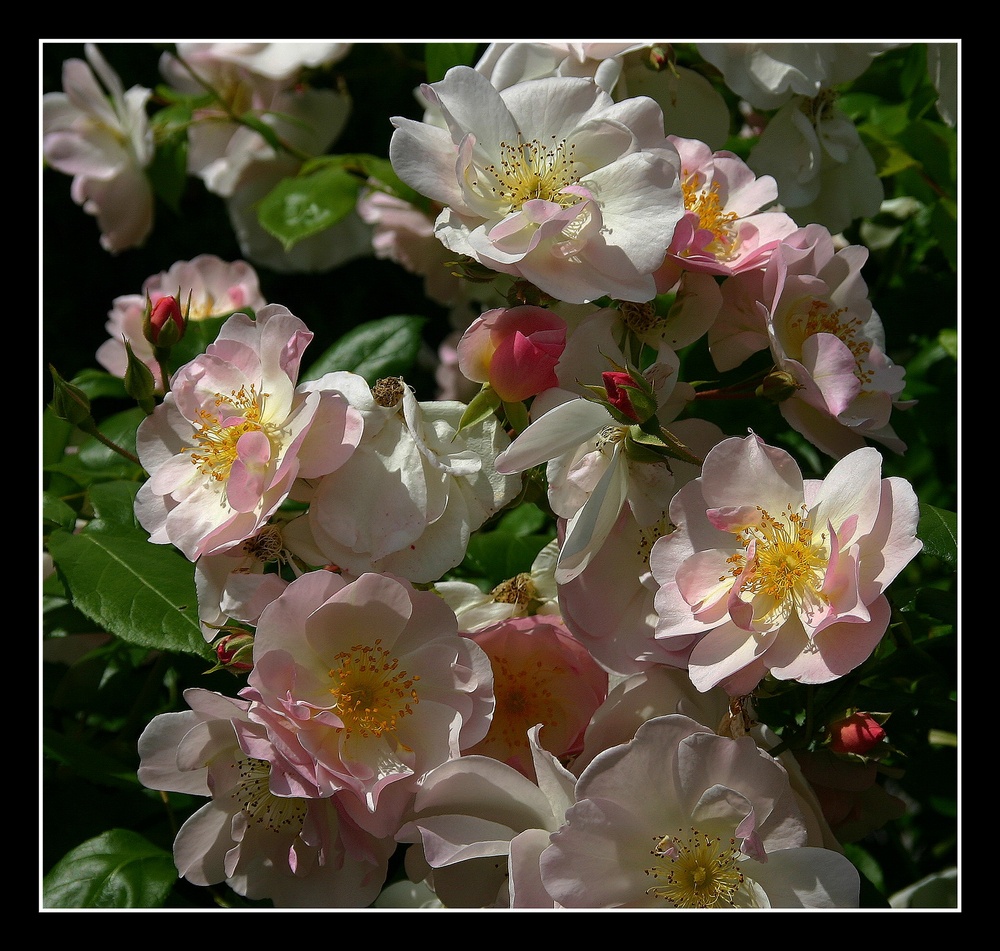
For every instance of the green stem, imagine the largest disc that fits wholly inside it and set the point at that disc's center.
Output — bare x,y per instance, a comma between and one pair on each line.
100,437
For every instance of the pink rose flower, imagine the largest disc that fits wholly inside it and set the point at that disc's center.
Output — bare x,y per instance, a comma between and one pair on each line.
541,674
514,350
233,434
297,852
366,685
207,286
778,573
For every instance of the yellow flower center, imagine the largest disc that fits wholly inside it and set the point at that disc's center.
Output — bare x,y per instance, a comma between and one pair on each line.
532,170
696,870
814,316
256,801
217,442
707,205
789,566
372,694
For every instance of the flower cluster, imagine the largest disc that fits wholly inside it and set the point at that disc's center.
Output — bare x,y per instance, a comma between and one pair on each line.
586,727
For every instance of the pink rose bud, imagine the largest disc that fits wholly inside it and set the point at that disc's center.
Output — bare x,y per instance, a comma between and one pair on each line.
858,733
165,323
514,349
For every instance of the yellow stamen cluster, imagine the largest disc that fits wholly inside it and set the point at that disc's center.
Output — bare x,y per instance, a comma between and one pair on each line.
696,870
217,443
817,318
533,170
256,801
372,694
706,203
789,566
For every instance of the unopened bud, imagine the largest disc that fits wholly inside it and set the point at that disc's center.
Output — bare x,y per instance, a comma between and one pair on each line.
632,396
235,652
859,733
69,402
163,323
139,382
777,386
660,56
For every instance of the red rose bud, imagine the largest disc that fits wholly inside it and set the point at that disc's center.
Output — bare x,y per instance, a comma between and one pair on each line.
859,733
633,398
234,652
164,323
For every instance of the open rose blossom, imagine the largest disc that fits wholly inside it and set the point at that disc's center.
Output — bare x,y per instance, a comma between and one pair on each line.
514,349
207,286
541,675
297,852
778,573
549,180
224,447
679,817
366,685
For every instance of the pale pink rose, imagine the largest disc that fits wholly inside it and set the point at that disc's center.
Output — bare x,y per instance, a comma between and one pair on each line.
548,180
408,500
810,305
297,852
478,827
609,605
403,233
367,685
679,817
592,466
241,581
226,444
206,286
513,349
727,227
281,62
541,675
780,574
260,79
767,75
100,134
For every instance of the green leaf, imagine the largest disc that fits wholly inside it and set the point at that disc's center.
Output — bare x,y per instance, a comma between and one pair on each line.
440,57
375,349
56,513
141,592
196,339
298,208
117,869
482,405
938,530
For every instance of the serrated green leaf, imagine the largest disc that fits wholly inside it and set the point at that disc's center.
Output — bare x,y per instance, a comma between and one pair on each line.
938,530
440,57
298,208
373,350
141,592
117,869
